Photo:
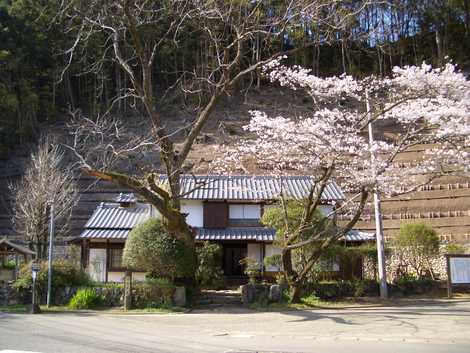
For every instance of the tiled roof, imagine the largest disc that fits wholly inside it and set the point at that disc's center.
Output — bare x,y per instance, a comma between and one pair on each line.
113,216
105,234
109,221
357,235
19,248
260,234
251,187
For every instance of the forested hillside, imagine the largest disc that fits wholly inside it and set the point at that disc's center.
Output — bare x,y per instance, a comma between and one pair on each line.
35,89
53,65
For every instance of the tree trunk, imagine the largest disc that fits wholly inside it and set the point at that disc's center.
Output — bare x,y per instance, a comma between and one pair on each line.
288,268
296,291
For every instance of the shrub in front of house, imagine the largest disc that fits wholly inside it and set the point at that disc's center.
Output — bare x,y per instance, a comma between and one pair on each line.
153,293
410,285
64,274
209,273
332,290
150,248
86,298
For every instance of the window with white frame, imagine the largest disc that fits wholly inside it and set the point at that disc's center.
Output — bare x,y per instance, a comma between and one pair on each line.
244,211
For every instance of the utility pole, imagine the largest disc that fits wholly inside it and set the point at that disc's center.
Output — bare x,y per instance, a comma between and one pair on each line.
51,241
379,229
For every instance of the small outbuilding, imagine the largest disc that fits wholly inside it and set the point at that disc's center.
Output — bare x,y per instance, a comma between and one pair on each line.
11,250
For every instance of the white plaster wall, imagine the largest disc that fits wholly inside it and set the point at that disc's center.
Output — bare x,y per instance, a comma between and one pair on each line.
254,252
244,211
115,276
138,276
119,276
97,265
270,250
195,212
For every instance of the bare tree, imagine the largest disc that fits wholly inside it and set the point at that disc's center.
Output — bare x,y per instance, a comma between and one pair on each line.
45,181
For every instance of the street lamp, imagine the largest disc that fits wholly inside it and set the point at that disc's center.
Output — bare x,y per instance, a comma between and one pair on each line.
34,271
51,241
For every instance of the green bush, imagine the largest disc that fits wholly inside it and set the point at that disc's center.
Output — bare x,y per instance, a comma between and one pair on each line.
209,273
64,274
410,285
150,248
416,245
86,298
332,290
8,265
153,293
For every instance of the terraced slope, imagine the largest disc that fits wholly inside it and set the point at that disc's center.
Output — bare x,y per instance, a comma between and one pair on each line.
444,204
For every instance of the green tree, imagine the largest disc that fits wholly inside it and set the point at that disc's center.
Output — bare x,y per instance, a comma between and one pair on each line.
209,272
315,236
417,244
149,247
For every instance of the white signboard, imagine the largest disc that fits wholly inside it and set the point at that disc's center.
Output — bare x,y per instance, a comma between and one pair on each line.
460,270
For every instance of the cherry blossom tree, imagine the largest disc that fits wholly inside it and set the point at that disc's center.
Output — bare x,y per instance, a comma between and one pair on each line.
425,106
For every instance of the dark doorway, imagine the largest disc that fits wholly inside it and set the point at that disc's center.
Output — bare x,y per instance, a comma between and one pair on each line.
233,253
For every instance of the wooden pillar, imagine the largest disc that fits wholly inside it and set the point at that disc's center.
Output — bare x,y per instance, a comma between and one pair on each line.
128,290
262,250
107,262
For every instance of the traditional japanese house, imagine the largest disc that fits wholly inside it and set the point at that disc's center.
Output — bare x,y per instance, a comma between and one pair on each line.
221,209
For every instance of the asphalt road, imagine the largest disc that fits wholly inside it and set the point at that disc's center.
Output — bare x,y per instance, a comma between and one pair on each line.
440,326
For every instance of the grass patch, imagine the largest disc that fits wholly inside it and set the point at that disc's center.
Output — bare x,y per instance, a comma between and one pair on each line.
114,310
17,308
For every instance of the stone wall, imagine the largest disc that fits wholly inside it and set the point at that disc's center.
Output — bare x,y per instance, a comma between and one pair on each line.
393,262
8,295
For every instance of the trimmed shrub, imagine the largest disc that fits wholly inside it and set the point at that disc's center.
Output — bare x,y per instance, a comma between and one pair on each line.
153,293
209,273
86,298
149,247
409,285
332,290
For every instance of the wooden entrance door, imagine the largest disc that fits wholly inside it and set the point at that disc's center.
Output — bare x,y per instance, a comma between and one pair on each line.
233,253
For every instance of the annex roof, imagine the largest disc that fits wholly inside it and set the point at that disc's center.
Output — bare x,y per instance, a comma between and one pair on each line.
255,188
357,235
13,247
259,234
114,216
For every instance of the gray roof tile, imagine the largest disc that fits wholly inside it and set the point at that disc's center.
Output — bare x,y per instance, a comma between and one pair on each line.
242,187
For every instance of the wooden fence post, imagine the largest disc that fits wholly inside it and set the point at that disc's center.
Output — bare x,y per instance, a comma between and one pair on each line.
128,290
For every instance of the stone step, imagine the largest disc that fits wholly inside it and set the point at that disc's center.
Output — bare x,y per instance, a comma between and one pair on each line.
223,297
